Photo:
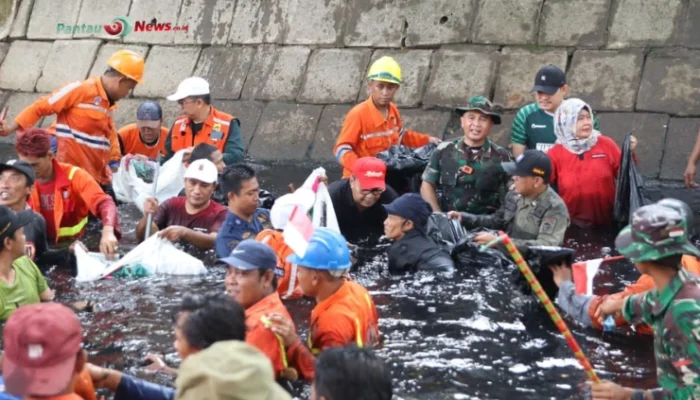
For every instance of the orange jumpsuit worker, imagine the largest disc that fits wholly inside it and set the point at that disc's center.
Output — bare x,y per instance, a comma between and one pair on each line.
147,136
84,129
251,280
344,314
65,194
202,123
288,287
375,124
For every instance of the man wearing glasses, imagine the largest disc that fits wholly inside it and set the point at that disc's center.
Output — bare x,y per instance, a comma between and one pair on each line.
202,123
358,200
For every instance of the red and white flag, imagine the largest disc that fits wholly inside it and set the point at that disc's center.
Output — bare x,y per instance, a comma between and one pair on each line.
585,271
298,231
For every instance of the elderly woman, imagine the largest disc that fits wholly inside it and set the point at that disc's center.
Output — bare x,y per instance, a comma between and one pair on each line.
584,165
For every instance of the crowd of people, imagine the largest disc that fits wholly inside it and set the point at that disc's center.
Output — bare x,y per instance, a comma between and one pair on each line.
559,170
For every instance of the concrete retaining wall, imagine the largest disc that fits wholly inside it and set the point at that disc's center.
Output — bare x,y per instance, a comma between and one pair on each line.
290,69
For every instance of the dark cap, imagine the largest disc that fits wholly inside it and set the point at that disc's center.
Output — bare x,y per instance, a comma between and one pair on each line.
530,163
657,231
149,114
251,254
20,166
549,79
482,104
10,221
412,207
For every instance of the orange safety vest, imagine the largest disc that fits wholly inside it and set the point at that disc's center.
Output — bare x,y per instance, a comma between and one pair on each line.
84,128
346,317
643,284
366,132
131,139
288,285
76,195
214,131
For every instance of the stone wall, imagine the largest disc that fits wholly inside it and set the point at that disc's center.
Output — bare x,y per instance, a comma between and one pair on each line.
291,69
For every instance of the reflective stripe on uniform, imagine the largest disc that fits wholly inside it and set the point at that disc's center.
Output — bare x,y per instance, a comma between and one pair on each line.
64,131
75,229
341,150
358,339
93,107
377,134
63,91
221,121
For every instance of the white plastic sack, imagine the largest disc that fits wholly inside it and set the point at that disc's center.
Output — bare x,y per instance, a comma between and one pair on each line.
157,255
129,188
323,206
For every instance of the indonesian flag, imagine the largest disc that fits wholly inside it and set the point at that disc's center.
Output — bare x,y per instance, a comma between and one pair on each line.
585,271
298,231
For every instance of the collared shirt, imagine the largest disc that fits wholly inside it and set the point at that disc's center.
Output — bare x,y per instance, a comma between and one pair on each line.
674,314
235,229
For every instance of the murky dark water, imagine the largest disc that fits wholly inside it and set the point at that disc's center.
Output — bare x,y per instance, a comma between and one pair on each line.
469,337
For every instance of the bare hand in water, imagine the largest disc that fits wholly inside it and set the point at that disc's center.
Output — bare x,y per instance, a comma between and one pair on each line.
561,273
172,233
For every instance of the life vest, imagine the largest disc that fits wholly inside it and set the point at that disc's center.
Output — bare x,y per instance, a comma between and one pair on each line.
214,131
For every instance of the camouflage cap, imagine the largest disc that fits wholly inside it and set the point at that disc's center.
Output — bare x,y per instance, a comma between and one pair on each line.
657,231
481,103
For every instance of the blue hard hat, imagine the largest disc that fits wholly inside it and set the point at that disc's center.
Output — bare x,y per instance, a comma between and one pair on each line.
251,254
327,250
412,207
149,111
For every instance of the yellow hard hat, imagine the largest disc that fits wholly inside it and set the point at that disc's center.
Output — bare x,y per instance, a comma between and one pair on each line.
386,69
128,63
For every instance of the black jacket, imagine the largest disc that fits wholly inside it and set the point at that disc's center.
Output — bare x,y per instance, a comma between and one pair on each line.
416,251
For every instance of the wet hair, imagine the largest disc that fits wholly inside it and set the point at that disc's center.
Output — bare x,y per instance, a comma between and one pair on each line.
212,318
349,373
202,151
33,142
234,176
673,261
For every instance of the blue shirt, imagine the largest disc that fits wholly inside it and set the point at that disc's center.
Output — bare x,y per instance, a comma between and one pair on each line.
236,229
131,388
4,395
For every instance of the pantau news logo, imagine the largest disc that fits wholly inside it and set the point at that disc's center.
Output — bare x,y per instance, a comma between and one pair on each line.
121,26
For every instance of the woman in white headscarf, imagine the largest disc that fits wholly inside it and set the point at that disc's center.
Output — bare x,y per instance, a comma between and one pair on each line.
584,165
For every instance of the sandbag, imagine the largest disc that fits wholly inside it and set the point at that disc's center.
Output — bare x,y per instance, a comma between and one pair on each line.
153,256
630,193
129,187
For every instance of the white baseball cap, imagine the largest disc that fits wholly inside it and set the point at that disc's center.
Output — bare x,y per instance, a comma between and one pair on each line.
283,207
193,86
202,170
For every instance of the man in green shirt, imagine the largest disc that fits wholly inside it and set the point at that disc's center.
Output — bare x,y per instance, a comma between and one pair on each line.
21,282
533,127
467,171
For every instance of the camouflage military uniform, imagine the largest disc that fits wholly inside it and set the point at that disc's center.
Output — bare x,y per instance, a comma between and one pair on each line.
469,179
539,222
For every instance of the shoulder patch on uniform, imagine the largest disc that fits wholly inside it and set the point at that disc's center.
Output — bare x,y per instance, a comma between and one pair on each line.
548,225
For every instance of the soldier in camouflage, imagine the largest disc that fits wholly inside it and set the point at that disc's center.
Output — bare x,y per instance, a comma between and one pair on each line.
533,213
467,172
655,241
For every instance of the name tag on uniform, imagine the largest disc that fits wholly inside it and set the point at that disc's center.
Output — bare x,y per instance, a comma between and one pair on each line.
216,135
598,156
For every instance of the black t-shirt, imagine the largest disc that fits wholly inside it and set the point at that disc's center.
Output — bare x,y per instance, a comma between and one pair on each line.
355,224
37,247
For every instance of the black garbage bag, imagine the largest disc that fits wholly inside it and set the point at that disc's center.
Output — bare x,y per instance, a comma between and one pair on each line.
539,258
405,166
265,199
630,193
467,254
444,231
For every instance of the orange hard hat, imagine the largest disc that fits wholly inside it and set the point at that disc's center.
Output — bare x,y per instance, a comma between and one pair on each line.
128,63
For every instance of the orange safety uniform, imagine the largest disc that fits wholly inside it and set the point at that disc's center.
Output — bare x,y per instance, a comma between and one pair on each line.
214,131
288,285
84,129
643,284
262,338
132,143
367,132
76,195
84,387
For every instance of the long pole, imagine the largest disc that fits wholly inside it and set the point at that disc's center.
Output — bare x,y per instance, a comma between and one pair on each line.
149,219
542,296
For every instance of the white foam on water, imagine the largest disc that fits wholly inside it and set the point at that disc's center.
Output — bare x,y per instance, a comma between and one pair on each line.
519,369
563,386
535,343
550,362
481,323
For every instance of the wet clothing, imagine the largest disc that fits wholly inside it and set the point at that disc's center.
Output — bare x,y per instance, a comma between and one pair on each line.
674,314
287,285
75,195
353,223
582,308
541,221
84,129
29,284
235,229
264,339
37,247
173,212
130,142
586,181
470,179
131,388
416,251
533,127
217,195
367,132
220,129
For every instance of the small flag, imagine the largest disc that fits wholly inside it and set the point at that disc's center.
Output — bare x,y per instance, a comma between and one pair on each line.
585,271
298,231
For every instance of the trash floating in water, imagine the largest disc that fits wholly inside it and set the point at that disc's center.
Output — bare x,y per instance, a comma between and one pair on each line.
482,323
519,369
558,363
